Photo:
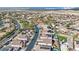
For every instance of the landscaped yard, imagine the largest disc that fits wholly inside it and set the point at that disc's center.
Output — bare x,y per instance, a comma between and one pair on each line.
25,24
62,38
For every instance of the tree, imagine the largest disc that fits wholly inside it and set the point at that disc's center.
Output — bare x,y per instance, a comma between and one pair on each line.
74,37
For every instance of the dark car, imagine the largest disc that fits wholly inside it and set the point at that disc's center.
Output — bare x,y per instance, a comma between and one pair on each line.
19,49
36,32
10,49
7,43
49,31
49,27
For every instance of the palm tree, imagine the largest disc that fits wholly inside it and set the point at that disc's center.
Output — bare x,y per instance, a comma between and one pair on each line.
55,29
74,37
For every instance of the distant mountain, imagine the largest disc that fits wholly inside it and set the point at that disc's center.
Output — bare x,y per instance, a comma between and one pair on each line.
31,8
38,8
46,8
71,8
75,8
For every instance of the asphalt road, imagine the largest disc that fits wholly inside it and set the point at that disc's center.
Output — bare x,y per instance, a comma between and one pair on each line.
11,36
32,43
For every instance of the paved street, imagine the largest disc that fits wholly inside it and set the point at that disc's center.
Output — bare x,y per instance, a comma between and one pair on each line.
11,36
32,43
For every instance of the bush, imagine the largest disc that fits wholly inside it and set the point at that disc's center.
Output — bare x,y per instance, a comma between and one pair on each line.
62,38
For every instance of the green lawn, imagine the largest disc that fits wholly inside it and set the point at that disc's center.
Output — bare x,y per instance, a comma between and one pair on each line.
62,38
26,24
